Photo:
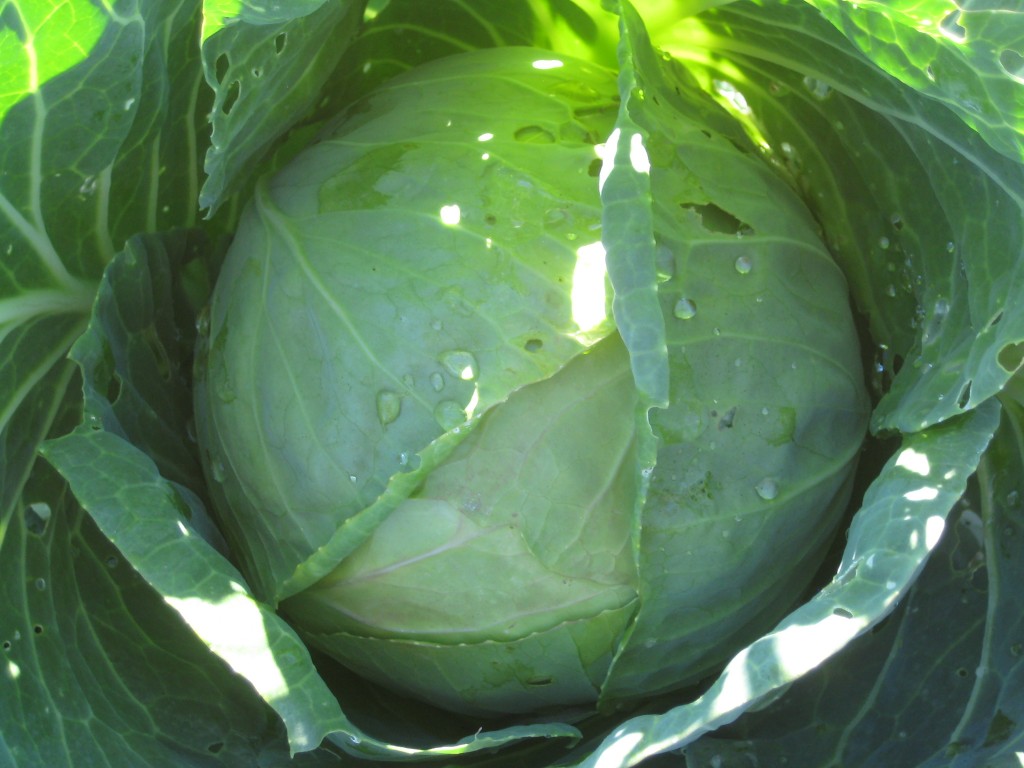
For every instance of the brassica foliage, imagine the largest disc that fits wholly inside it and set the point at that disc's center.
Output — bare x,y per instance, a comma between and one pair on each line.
413,335
534,383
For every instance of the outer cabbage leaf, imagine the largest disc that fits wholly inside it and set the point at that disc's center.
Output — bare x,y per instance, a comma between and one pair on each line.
96,668
922,213
969,56
894,532
89,155
937,683
267,72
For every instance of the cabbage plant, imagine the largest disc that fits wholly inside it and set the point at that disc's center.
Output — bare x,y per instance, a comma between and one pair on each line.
466,499
544,382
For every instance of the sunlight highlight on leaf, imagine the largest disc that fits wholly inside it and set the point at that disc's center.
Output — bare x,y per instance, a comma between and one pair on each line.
589,298
222,624
39,41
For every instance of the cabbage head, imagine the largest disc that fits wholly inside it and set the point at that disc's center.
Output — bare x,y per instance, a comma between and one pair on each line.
421,425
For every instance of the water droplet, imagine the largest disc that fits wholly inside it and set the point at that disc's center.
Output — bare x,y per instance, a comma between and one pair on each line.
436,381
767,489
533,345
685,309
950,246
764,411
665,262
449,414
353,479
883,243
437,325
890,290
818,89
225,392
403,458
534,134
40,584
744,265
454,299
389,405
112,562
897,221
1017,649
553,217
203,322
460,364
217,470
938,316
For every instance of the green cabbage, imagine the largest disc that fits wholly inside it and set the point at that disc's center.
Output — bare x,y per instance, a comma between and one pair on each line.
420,423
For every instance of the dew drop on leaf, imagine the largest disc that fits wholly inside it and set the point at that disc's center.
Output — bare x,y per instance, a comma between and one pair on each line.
449,414
744,265
685,309
665,262
460,364
436,381
767,489
203,321
817,88
224,389
389,405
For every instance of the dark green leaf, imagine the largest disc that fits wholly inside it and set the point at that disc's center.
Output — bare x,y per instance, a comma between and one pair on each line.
96,668
267,76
